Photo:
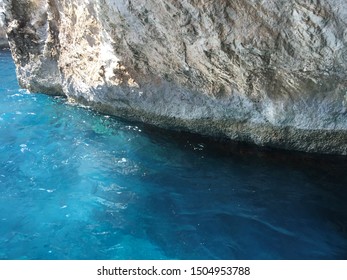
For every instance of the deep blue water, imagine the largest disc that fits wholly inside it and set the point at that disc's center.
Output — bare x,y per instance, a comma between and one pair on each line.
75,184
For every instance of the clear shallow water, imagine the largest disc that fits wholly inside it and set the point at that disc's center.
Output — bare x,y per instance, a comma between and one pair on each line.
75,184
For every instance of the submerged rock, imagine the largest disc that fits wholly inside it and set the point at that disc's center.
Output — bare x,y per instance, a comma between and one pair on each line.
266,72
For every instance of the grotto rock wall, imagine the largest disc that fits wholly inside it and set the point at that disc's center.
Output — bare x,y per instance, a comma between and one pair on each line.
271,72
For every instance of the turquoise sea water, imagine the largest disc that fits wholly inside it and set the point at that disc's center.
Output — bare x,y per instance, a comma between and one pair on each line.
75,184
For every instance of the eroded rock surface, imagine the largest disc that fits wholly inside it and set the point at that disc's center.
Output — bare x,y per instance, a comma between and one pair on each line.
3,37
269,72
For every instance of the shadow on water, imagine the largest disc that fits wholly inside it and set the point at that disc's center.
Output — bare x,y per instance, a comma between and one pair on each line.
232,200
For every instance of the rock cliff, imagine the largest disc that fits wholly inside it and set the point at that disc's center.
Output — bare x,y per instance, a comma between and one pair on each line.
3,37
270,72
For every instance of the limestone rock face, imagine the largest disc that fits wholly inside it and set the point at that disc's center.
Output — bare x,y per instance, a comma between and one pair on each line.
3,37
270,72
